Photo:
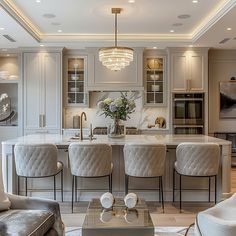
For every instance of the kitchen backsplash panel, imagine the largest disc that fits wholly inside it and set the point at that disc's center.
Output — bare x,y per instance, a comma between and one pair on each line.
141,118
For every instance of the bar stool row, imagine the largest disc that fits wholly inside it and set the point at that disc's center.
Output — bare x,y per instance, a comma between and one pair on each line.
95,161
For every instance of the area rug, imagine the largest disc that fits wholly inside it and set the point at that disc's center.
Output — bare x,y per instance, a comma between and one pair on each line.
159,231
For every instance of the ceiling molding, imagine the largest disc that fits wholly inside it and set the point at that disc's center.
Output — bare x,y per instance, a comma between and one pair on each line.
213,18
18,16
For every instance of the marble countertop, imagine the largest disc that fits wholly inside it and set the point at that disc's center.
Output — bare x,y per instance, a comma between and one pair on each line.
65,140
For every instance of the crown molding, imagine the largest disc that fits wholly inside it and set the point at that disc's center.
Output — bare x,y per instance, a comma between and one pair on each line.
213,18
19,17
34,31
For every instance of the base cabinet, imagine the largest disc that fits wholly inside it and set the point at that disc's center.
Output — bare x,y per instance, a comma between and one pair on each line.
189,70
42,92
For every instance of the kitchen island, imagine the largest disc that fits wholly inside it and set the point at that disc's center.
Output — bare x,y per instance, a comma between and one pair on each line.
63,141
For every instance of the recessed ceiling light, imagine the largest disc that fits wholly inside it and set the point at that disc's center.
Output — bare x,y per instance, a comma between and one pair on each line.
49,15
229,29
41,45
59,31
190,45
131,1
38,1
1,28
177,24
56,23
195,1
172,31
8,55
184,16
154,47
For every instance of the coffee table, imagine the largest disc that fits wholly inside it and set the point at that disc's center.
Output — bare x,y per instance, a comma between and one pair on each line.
117,221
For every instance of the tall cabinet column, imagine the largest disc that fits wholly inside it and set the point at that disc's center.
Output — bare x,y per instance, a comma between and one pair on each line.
42,92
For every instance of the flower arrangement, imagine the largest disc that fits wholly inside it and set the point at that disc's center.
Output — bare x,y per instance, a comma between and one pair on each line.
118,109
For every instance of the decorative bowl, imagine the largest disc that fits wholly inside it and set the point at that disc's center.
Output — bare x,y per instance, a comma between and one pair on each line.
74,77
155,87
155,77
74,89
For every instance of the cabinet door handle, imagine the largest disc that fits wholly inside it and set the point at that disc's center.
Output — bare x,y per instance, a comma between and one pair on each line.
43,120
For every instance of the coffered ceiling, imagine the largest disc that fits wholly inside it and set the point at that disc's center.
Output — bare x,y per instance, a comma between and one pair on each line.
147,23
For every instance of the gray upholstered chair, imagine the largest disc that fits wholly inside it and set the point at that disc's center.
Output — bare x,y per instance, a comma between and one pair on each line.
89,161
218,220
145,161
31,216
196,160
37,161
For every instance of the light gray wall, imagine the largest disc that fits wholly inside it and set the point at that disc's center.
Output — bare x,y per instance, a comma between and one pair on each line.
222,66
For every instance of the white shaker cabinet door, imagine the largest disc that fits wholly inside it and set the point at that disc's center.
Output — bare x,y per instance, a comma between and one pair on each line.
32,85
51,91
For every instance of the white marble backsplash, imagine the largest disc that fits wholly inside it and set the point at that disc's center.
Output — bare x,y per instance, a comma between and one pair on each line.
141,118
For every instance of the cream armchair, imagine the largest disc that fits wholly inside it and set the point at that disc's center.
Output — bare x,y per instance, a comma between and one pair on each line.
31,216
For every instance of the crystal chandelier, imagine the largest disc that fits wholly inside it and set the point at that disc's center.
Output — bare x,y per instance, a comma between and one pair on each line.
116,58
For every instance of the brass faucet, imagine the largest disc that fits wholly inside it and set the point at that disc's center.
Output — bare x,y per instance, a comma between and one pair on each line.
81,124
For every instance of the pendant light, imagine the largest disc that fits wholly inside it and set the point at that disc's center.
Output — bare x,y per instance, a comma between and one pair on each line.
116,58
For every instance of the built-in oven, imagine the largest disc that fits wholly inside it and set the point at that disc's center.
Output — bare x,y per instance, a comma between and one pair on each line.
188,113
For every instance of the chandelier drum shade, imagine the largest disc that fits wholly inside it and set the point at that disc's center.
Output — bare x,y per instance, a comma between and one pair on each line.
116,58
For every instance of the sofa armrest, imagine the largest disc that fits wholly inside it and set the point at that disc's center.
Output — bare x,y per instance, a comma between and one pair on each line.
30,203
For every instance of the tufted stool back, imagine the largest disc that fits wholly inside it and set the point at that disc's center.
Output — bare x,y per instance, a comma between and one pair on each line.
197,159
35,160
145,160
90,160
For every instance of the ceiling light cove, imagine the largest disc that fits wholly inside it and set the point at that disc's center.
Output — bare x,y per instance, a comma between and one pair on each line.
229,29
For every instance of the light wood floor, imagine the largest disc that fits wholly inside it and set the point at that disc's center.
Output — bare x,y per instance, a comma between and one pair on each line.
171,217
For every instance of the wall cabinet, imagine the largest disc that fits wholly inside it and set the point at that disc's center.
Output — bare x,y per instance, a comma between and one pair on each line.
75,81
128,79
42,92
154,80
189,70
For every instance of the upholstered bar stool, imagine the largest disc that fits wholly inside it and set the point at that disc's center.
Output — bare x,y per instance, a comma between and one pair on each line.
37,161
196,160
145,161
89,161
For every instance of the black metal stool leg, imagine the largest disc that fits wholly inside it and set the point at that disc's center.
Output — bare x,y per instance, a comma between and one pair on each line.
174,185
54,185
62,185
72,200
126,184
209,187
162,195
215,189
159,188
26,187
76,189
109,180
18,187
180,193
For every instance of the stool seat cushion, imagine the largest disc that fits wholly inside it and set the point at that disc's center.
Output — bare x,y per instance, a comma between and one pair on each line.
26,222
218,220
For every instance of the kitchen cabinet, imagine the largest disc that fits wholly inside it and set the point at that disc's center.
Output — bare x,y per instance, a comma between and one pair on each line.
154,79
42,92
102,79
189,70
75,79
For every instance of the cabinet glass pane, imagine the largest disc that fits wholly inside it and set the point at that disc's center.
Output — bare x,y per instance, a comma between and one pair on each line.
75,81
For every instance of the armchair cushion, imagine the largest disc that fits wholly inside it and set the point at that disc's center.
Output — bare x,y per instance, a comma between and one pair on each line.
26,222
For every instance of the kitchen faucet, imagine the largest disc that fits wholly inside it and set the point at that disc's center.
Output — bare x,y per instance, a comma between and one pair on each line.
81,124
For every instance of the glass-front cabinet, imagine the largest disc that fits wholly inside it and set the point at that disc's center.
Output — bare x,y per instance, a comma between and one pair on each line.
155,80
76,78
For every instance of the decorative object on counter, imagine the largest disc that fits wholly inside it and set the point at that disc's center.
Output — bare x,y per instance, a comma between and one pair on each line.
117,109
5,108
161,122
116,58
4,75
107,200
131,200
228,99
76,122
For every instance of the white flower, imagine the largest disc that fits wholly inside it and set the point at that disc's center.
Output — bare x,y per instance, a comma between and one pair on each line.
108,101
112,107
118,102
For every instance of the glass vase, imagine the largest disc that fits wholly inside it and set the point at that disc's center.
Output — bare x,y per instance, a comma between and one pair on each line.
116,129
